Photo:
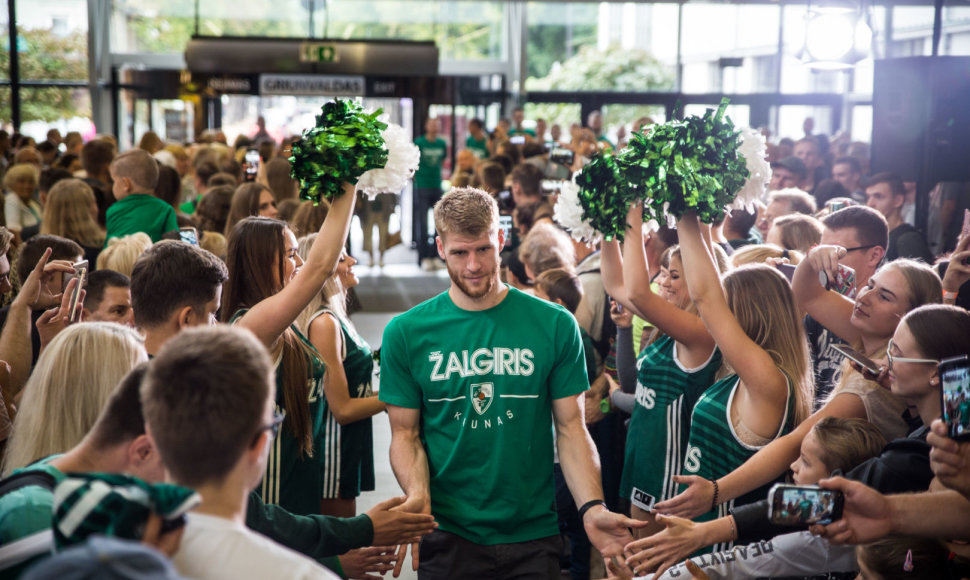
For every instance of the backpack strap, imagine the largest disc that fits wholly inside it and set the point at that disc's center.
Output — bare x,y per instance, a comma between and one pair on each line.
25,479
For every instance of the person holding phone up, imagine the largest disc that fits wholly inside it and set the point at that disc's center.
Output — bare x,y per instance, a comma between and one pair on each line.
925,336
868,323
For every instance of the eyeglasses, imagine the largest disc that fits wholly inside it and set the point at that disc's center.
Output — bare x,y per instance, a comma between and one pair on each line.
847,250
273,427
890,358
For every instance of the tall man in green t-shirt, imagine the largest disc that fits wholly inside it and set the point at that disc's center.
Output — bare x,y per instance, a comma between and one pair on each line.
427,190
475,379
134,175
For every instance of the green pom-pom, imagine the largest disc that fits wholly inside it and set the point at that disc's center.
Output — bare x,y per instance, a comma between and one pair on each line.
344,143
681,166
604,196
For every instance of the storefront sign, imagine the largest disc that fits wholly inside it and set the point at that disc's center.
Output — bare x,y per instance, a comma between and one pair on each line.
311,85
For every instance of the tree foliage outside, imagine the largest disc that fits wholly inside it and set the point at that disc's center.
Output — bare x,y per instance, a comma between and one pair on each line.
615,69
462,30
45,56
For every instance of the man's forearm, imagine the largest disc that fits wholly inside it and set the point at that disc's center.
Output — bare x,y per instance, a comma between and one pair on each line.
410,465
15,347
580,463
942,514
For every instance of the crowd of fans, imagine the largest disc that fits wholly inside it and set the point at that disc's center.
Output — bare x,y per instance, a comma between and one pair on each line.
708,353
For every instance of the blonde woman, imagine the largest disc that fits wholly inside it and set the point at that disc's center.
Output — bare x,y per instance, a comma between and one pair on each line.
348,461
121,253
68,388
751,315
72,212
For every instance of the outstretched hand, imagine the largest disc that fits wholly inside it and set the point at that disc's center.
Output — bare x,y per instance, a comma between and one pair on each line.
609,532
658,552
394,522
368,563
412,507
690,503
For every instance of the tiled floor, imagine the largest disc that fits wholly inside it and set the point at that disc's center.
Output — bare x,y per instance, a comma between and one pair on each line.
383,293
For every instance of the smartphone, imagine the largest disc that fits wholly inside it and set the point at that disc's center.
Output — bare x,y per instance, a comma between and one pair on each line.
517,140
550,186
81,273
965,231
857,357
955,377
843,283
505,222
189,235
562,156
787,269
251,164
804,505
834,206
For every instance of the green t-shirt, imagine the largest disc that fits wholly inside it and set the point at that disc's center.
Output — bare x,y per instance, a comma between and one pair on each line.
484,382
433,153
140,212
479,147
189,206
523,131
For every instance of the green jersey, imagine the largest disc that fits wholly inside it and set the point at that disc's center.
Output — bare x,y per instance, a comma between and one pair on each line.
478,146
433,153
660,423
294,480
348,463
713,448
140,212
484,382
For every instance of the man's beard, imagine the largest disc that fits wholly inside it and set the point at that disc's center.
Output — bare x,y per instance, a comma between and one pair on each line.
463,286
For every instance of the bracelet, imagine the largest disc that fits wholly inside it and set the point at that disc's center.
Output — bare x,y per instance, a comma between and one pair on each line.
714,499
950,294
590,505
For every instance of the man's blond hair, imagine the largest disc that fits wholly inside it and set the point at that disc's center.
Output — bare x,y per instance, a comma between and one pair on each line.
466,211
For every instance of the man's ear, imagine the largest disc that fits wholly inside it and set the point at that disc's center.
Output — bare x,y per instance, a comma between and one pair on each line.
140,450
186,317
876,254
441,247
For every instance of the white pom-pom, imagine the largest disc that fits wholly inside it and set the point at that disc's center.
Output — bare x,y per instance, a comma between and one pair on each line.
402,161
569,214
754,150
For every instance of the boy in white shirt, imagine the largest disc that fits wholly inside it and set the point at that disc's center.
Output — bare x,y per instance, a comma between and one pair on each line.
209,407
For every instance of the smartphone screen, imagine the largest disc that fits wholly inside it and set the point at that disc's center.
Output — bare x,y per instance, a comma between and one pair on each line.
517,140
856,356
81,273
787,269
955,378
251,165
804,505
189,235
562,156
505,222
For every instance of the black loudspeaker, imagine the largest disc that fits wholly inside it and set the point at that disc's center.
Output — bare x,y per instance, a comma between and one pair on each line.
921,118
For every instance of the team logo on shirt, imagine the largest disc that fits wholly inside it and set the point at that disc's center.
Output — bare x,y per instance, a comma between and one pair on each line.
482,395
